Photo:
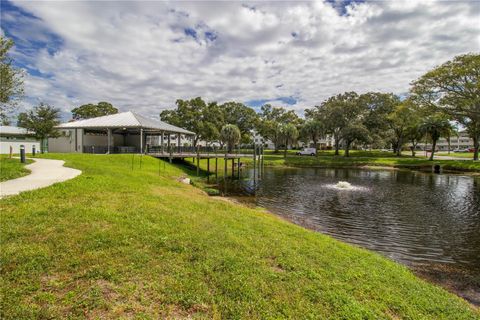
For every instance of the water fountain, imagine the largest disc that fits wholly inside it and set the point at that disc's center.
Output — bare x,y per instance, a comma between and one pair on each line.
343,185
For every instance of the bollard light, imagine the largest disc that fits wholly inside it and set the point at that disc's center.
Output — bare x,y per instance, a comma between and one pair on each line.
22,154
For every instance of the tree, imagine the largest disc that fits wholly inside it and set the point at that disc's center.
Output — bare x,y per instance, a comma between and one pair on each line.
270,121
338,112
11,81
90,110
414,134
454,88
243,117
190,115
312,130
400,121
289,134
435,126
230,135
42,121
377,107
354,132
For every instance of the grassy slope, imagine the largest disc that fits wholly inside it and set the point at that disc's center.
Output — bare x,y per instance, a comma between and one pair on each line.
119,242
12,168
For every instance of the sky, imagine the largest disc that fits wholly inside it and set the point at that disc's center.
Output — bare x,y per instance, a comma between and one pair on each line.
143,56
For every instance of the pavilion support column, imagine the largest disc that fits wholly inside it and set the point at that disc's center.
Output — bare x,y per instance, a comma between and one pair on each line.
168,143
109,140
141,140
163,147
179,137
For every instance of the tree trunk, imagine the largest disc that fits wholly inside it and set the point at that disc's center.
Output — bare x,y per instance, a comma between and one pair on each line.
434,145
337,146
414,146
42,145
399,147
285,150
476,145
347,149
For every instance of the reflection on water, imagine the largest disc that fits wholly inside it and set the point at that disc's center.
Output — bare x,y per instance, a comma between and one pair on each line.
411,217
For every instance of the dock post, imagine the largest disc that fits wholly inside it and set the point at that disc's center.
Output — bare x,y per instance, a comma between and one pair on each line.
198,166
225,167
254,162
208,169
261,160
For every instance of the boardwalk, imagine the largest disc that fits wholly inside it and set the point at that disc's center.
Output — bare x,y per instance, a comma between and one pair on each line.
177,155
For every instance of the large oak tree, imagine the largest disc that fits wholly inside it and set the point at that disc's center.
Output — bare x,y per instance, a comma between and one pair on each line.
454,88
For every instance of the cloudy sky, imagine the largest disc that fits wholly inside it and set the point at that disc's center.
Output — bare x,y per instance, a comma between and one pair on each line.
143,56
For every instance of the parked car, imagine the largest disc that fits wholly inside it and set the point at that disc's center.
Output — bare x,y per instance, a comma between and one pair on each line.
464,150
307,152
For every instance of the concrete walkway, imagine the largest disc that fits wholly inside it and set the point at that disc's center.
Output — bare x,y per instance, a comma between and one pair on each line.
44,172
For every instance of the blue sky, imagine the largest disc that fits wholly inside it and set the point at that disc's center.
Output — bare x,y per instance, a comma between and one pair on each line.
143,56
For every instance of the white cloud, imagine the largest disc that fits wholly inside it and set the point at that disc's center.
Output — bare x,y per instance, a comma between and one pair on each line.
138,56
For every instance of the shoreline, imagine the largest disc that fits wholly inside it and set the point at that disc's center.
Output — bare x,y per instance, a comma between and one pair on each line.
459,282
420,168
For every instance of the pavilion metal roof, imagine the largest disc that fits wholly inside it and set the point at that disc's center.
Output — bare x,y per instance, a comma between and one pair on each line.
14,130
127,119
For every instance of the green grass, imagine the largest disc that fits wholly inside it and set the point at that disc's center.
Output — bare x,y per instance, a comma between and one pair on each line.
12,168
116,242
467,155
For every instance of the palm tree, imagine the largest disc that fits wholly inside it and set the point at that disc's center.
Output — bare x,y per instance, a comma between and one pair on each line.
313,130
230,135
435,127
289,134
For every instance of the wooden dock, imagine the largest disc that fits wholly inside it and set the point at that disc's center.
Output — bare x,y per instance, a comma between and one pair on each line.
182,155
256,155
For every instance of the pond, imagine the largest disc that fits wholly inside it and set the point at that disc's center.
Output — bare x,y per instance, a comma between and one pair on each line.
430,222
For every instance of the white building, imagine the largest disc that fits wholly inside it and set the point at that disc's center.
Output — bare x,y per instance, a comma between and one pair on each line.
14,137
125,132
323,143
461,142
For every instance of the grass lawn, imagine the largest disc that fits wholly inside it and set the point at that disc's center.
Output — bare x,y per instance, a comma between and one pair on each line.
12,168
467,155
116,242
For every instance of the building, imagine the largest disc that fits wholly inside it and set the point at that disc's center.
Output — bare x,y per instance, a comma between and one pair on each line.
125,132
14,137
322,144
460,142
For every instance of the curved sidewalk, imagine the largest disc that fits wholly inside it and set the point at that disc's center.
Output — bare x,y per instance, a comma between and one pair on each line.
44,172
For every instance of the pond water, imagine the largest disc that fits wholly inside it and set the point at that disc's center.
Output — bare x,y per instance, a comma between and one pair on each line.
419,219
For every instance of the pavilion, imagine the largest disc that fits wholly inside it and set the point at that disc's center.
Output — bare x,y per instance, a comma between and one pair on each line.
125,132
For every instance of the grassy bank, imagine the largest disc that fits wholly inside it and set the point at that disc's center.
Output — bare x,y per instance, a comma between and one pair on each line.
122,242
12,168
